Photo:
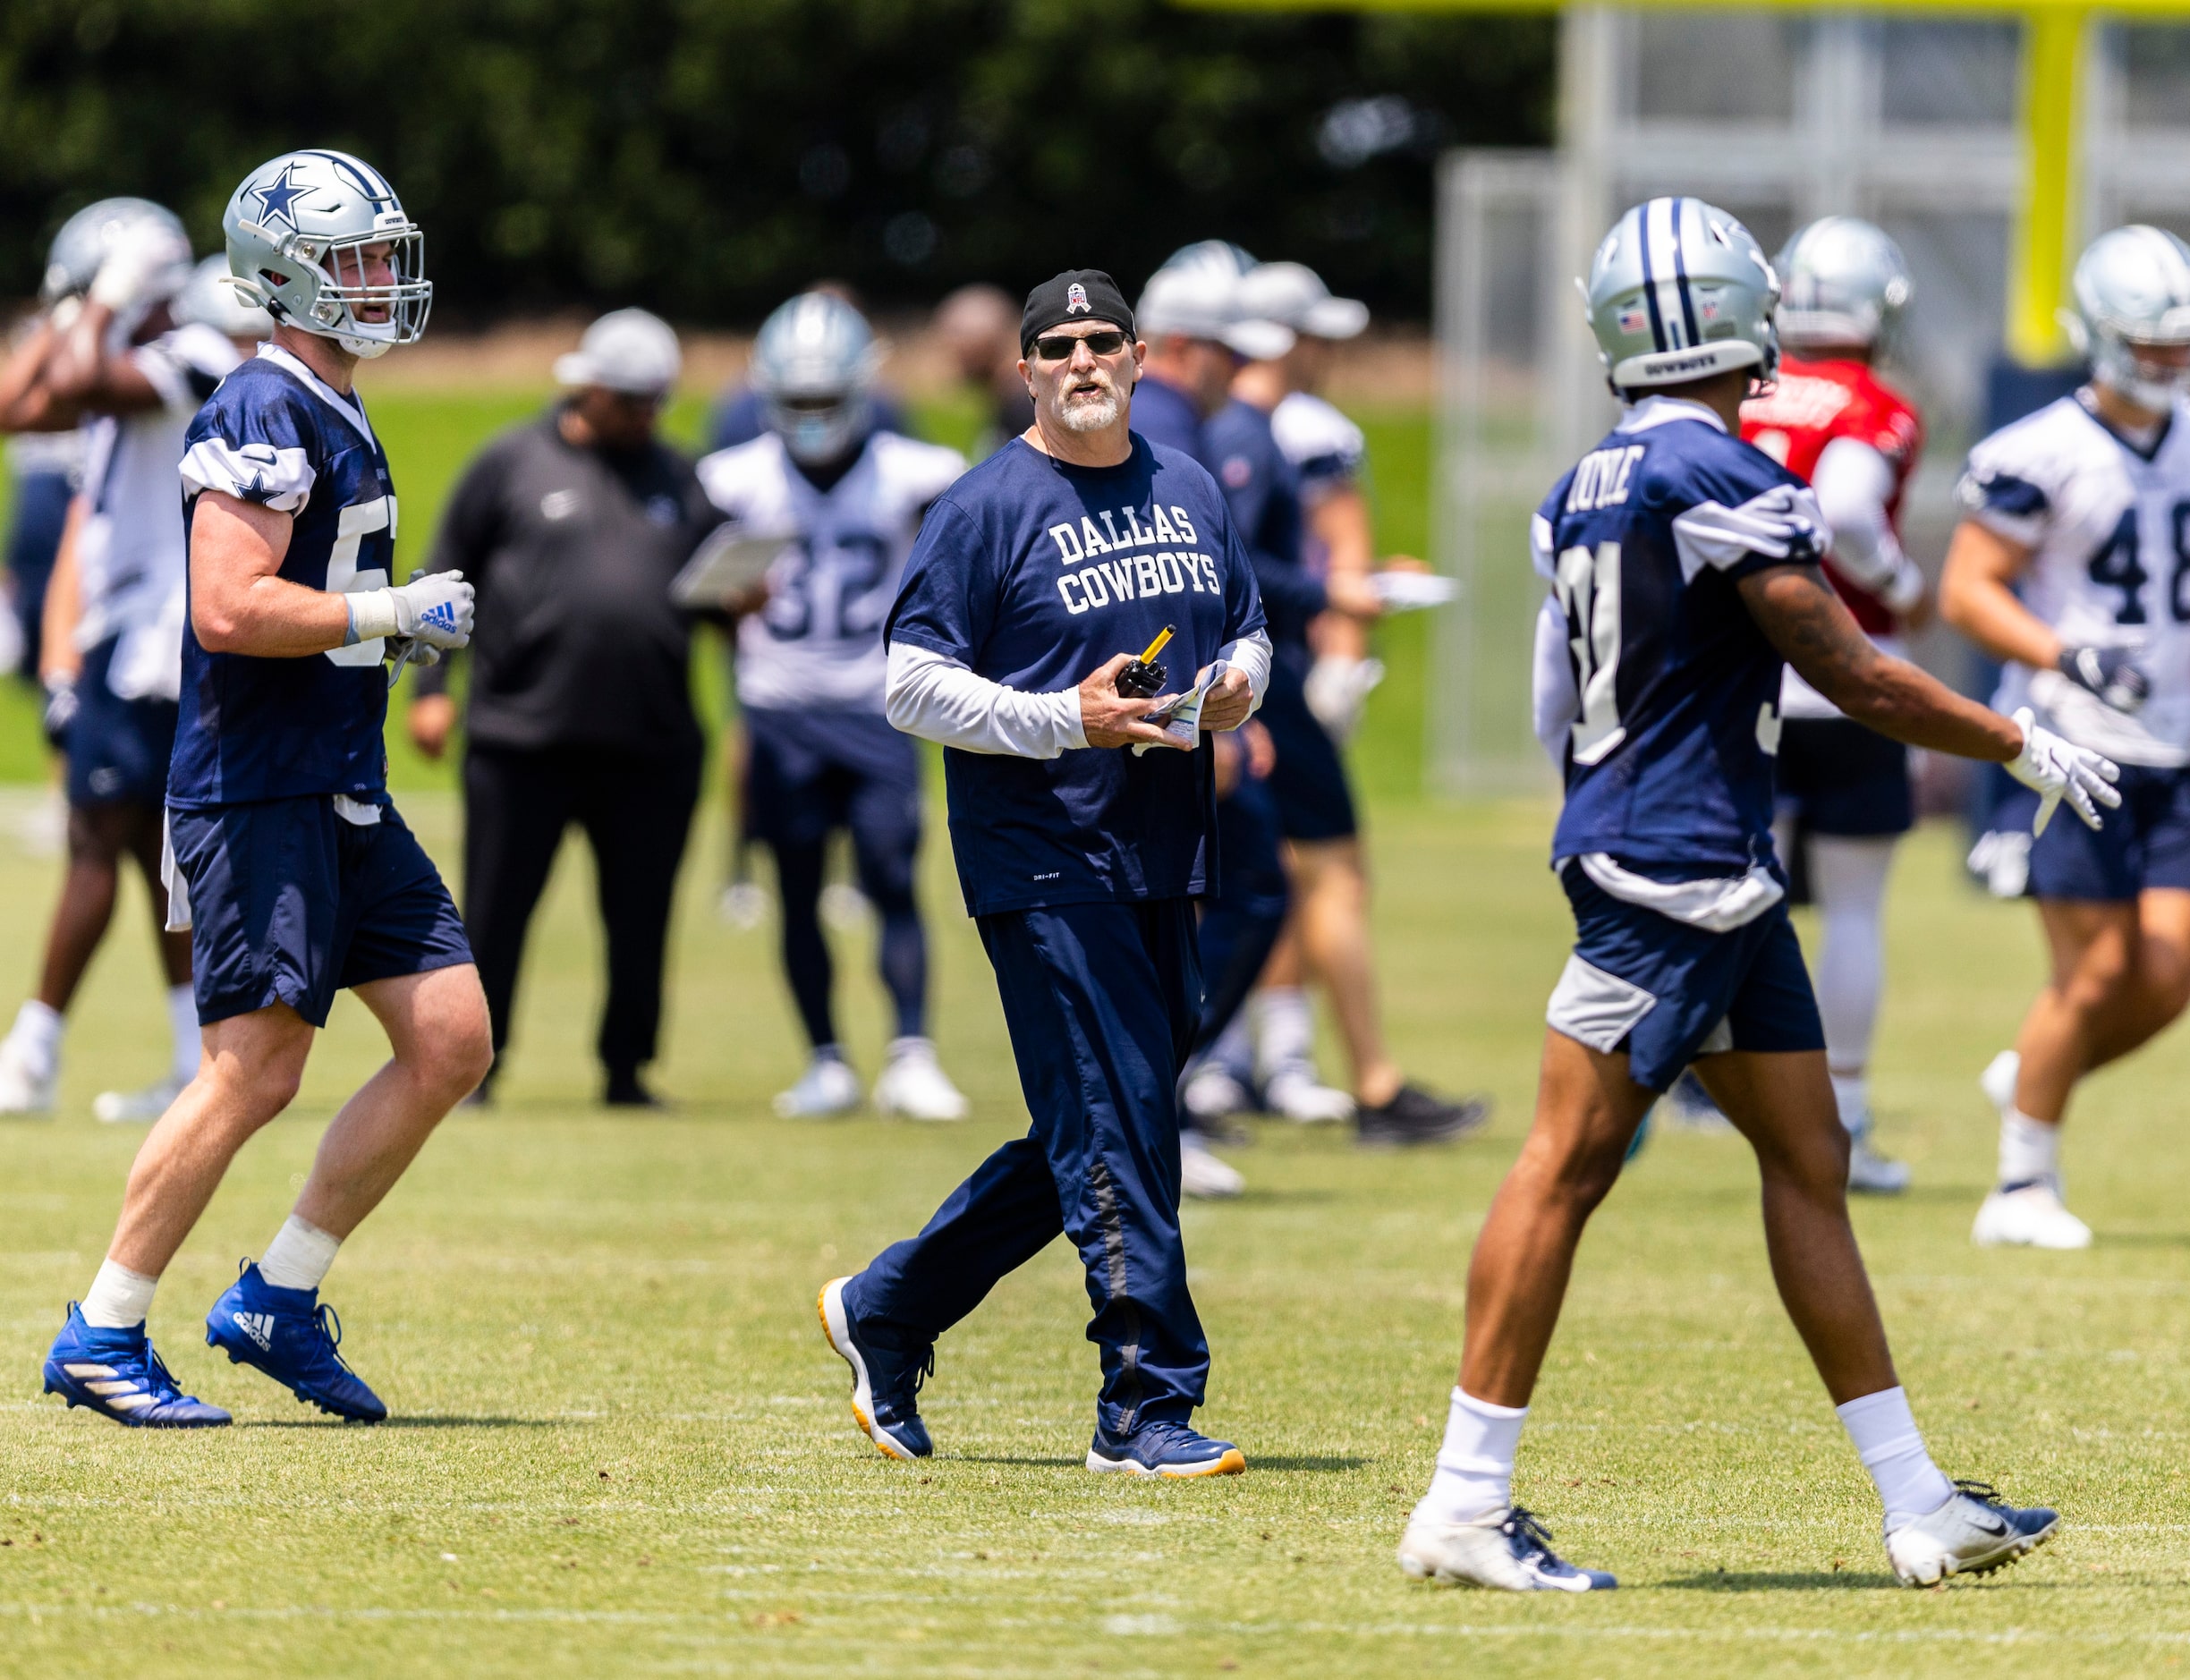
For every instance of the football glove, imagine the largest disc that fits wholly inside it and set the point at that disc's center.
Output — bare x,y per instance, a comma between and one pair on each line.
2058,769
1337,693
434,609
146,261
2112,674
60,707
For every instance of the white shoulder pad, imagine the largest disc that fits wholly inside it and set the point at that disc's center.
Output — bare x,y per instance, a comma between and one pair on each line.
1784,522
922,472
278,479
732,477
2012,477
1540,549
1310,430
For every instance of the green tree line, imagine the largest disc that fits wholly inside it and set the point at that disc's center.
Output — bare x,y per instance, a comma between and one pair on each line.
706,157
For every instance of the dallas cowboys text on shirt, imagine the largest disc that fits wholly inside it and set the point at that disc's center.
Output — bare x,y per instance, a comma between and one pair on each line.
1130,558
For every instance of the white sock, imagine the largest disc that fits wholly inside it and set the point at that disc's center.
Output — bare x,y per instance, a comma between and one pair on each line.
118,1299
2028,1149
182,1021
1474,1466
1233,1050
299,1256
1884,1431
36,1037
1852,1096
1284,1036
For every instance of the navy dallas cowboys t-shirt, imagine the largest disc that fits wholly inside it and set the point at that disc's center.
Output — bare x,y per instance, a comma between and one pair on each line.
1032,573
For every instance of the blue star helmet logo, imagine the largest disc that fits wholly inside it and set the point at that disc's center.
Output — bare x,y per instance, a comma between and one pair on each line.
278,195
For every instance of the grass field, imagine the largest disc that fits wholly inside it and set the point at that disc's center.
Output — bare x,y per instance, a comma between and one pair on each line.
620,1447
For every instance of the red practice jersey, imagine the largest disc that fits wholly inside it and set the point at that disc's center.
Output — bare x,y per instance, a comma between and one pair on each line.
1816,402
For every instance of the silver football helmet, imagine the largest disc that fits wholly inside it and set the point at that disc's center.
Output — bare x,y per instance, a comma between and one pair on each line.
1846,283
298,230
1680,290
2133,293
814,365
87,237
210,300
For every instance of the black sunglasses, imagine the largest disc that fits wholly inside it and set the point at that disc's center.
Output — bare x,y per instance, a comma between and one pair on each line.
1059,347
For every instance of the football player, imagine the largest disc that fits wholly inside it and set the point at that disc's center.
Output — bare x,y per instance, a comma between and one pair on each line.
1683,566
2072,564
1844,790
821,756
118,357
284,856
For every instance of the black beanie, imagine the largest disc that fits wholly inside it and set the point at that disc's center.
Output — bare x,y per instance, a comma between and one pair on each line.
1078,294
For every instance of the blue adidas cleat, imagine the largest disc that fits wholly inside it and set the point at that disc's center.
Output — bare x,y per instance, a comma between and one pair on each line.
1159,1448
117,1375
292,1335
884,1385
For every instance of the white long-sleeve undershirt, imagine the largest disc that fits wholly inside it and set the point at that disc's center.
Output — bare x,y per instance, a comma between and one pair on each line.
1854,484
937,698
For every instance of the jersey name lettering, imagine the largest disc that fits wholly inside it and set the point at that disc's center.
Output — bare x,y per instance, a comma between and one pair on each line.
1601,481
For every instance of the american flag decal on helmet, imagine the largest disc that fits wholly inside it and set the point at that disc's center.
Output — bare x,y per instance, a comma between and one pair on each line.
1076,298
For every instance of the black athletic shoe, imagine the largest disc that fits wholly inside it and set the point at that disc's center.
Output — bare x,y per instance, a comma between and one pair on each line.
1414,1116
626,1092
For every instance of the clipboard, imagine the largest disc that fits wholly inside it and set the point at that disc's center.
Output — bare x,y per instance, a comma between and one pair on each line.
728,564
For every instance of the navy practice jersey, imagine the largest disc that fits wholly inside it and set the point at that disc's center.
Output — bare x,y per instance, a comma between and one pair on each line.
254,728
1164,415
1031,574
1669,761
1263,494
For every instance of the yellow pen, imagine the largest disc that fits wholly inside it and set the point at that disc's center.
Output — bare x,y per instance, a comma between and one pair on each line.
1143,679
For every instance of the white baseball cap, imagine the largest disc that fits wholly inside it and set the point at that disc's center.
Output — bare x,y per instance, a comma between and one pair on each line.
1203,302
626,349
1294,293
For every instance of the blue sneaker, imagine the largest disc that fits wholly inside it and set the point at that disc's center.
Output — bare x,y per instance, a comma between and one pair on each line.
117,1375
292,1335
1159,1448
884,1385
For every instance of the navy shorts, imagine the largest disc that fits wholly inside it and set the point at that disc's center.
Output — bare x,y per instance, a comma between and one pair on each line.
1666,992
810,773
1837,777
2144,843
117,748
291,903
1309,782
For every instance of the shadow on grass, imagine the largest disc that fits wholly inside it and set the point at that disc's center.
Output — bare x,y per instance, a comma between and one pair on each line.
419,1423
1787,1581
1327,1464
2144,1239
1024,1463
1324,1464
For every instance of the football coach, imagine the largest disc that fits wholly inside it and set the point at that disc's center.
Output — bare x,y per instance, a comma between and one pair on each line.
1083,831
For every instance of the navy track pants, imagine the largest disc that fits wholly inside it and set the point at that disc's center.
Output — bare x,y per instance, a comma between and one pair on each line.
1102,1001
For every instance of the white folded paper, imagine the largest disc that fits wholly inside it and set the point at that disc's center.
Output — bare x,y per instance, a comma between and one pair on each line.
1408,591
1181,715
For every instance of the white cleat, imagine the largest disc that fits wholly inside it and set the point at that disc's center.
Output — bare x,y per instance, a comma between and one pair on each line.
827,1088
1201,1174
1974,1533
913,1085
24,1090
136,1108
1295,1094
1871,1174
1508,1550
1212,1093
1997,1082
2029,1216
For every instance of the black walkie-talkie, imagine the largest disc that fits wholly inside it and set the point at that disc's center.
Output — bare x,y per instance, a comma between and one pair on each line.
1143,679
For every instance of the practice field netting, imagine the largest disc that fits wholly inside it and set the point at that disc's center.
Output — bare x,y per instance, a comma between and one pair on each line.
1923,123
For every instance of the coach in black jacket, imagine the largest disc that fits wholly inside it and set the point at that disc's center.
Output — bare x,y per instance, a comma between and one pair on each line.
579,708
